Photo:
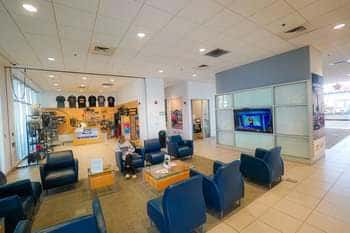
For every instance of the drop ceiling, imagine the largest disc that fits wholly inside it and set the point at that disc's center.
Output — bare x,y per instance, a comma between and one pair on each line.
175,31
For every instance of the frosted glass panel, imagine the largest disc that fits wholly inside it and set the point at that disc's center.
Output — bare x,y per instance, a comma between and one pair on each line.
298,147
291,120
294,94
224,101
224,119
253,98
254,140
225,138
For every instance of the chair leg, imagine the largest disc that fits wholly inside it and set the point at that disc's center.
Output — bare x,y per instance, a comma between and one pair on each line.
239,202
151,223
221,214
270,186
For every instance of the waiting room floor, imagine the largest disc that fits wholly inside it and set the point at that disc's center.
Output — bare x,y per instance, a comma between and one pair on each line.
317,202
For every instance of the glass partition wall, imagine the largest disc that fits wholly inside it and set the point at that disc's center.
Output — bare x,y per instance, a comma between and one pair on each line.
24,97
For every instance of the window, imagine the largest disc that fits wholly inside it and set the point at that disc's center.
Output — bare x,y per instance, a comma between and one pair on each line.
2,152
24,97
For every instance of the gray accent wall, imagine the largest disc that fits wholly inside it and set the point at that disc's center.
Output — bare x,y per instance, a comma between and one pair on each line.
283,68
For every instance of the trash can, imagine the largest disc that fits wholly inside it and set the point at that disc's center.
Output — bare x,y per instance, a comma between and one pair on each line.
162,138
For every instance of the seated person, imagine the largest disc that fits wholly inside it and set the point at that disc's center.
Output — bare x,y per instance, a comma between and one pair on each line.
128,151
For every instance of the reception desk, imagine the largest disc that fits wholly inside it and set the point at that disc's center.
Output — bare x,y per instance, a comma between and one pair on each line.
87,136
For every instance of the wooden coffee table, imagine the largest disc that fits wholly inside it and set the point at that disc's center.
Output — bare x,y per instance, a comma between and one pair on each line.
101,179
160,177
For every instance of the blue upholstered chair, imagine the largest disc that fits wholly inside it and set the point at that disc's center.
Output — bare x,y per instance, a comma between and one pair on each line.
60,169
93,223
266,167
152,150
137,160
23,226
178,147
224,188
18,200
181,209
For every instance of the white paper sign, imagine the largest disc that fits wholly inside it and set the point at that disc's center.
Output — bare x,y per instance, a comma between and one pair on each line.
96,166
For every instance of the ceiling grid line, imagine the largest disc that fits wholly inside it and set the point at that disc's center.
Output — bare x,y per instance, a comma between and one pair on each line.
57,33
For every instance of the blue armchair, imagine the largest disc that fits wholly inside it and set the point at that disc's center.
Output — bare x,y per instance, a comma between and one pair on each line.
266,167
137,160
181,209
224,188
13,209
152,150
93,223
60,169
178,147
23,226
17,201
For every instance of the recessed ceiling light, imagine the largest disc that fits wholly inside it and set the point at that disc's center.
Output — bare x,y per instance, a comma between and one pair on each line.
82,85
29,7
56,84
112,80
84,78
59,89
348,61
339,26
51,76
50,58
141,35
331,64
194,75
348,75
202,50
160,71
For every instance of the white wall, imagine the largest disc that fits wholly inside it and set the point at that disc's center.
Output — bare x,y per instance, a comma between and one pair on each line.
155,106
189,90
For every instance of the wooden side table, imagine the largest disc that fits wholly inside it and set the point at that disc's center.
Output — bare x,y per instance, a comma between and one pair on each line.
2,225
103,179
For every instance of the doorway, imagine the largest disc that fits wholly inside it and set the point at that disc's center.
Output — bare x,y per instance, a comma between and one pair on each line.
200,118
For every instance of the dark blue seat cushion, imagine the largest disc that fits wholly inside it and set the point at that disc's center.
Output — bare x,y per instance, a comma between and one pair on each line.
60,177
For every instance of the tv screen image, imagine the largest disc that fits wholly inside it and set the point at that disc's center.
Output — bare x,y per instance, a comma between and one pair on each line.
254,120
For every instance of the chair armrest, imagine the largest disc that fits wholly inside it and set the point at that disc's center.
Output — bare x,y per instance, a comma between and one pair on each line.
81,224
255,168
42,170
211,194
260,153
141,151
23,226
188,143
173,148
11,208
20,188
76,169
217,165
195,173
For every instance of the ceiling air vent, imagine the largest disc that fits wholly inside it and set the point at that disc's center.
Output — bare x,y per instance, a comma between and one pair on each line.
216,53
107,84
102,50
296,29
203,66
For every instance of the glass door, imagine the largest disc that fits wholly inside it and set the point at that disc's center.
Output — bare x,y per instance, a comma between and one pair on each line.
200,119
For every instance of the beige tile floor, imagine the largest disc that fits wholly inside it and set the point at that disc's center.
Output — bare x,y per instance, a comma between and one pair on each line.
317,202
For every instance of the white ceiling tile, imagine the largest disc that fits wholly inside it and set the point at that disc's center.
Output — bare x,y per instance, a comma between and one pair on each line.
124,10
108,40
321,7
242,29
44,8
67,16
111,26
86,5
174,31
225,2
132,41
200,10
36,25
170,6
249,7
73,47
334,17
45,47
74,34
286,23
273,12
152,17
224,20
299,4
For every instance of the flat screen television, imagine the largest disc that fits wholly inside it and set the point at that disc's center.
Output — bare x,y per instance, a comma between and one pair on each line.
254,120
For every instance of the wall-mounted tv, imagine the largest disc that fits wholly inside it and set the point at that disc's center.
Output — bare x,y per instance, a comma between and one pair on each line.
254,120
